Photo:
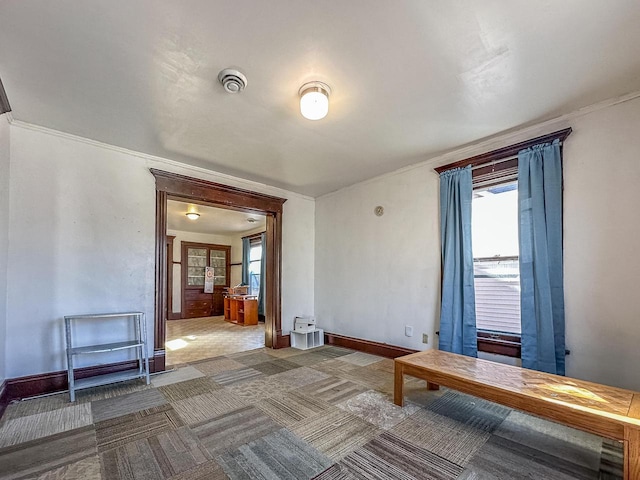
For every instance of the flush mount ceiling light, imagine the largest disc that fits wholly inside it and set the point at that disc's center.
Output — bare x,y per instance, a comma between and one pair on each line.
232,80
192,213
314,100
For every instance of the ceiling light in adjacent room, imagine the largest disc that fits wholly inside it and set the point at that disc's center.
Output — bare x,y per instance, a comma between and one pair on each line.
192,213
314,100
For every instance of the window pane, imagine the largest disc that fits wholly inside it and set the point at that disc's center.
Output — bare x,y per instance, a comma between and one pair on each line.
254,267
497,285
254,282
255,253
494,223
495,251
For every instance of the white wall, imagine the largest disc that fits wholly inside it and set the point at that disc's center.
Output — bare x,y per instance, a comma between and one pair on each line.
602,232
4,239
81,239
374,275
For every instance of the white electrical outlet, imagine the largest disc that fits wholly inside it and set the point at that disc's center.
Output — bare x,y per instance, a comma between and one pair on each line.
408,331
425,338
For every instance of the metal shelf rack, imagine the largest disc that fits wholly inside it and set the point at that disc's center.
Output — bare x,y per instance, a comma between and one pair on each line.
139,343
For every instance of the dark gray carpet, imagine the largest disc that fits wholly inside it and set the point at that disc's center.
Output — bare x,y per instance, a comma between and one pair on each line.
502,458
471,411
388,456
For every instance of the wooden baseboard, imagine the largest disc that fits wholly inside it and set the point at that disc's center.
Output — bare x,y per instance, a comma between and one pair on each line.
51,382
157,363
4,397
283,341
367,346
175,315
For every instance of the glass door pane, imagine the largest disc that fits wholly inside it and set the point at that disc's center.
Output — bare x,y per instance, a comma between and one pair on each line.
196,263
218,260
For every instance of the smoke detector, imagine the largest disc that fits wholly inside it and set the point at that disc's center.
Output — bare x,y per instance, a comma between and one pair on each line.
232,80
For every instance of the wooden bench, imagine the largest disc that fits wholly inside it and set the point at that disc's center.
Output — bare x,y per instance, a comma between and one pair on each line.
606,411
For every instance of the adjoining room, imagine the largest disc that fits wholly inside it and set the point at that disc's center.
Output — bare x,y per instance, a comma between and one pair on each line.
210,251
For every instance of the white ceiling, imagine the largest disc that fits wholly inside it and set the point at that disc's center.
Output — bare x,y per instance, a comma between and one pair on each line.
216,221
409,78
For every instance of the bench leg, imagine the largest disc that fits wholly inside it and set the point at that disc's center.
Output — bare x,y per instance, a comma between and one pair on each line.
398,385
631,453
432,386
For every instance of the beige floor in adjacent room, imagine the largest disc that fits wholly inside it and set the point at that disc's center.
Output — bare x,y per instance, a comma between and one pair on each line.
194,339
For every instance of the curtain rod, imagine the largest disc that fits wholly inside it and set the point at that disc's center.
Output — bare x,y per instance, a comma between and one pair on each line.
498,161
254,235
504,153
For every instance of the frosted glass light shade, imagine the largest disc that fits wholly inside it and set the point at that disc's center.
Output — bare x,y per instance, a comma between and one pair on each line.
193,215
314,100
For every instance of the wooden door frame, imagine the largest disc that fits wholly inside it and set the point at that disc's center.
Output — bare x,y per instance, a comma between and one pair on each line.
170,263
189,189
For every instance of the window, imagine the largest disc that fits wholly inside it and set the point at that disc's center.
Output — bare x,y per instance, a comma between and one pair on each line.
495,258
495,243
255,260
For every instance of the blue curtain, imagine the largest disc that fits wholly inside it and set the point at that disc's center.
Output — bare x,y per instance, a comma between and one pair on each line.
262,275
458,311
541,278
246,252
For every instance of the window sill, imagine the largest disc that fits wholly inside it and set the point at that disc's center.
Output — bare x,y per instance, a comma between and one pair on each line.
500,344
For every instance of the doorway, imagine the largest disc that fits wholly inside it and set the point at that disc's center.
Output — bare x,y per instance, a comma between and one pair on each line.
213,250
171,186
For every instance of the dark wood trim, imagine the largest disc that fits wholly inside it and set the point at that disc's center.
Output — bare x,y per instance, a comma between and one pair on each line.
160,313
51,382
368,346
235,264
4,397
505,152
219,195
273,270
175,315
157,363
184,188
253,236
170,263
4,100
283,341
177,263
499,343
